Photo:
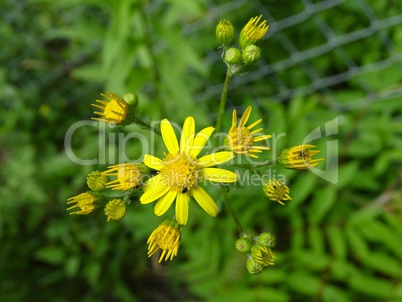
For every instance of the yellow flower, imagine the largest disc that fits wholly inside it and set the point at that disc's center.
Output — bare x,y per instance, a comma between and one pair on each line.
181,172
115,209
114,111
128,176
262,255
277,191
85,203
241,139
252,32
299,157
96,181
166,237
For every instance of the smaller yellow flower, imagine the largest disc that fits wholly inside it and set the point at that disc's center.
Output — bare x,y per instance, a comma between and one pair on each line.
252,32
299,157
277,191
128,176
114,111
85,203
241,139
96,181
115,209
166,237
262,255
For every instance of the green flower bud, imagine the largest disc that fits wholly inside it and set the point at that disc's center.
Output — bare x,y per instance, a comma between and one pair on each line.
253,267
232,56
266,239
262,255
251,54
243,244
96,181
224,32
131,99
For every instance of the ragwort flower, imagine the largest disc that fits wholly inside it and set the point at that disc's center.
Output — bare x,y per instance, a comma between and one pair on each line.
166,237
128,176
181,172
299,157
115,209
115,110
241,139
276,190
84,203
252,32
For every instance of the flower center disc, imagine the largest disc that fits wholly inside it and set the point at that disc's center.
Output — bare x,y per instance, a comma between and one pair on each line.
241,139
181,172
115,111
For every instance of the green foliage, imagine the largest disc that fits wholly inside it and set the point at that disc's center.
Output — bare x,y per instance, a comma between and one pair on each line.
335,241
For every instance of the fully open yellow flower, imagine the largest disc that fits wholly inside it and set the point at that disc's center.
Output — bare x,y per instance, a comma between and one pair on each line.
181,172
241,139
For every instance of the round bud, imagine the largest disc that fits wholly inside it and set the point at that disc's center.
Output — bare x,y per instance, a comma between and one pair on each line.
232,55
243,244
266,239
253,267
251,54
96,181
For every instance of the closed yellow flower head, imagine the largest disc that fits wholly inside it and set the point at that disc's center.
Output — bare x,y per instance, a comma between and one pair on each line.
84,203
128,176
166,237
241,139
115,209
114,110
300,157
253,32
277,191
181,172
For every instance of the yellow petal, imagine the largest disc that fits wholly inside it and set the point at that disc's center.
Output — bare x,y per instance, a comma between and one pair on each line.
169,137
164,203
200,140
205,201
153,162
153,192
254,124
216,158
187,134
219,175
151,183
245,117
234,120
182,201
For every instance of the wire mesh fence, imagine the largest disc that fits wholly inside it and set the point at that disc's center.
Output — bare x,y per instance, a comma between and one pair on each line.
374,78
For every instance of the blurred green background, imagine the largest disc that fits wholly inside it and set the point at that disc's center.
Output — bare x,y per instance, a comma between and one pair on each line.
321,60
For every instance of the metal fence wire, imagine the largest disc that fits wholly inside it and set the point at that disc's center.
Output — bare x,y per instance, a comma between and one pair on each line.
374,79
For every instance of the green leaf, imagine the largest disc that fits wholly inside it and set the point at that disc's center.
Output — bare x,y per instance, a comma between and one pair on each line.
311,260
371,286
51,255
336,241
300,190
347,173
304,283
323,201
357,244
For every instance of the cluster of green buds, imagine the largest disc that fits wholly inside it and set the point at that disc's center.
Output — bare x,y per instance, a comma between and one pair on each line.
102,193
258,250
247,53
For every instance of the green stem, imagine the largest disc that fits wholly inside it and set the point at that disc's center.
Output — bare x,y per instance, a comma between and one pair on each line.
258,166
222,103
229,207
147,126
